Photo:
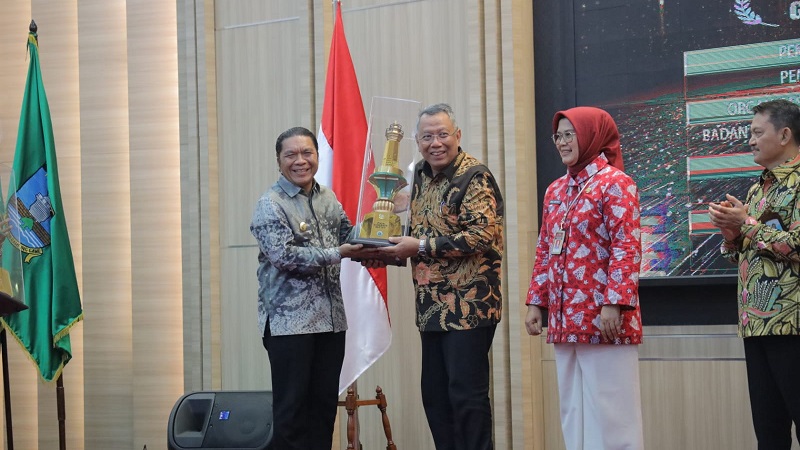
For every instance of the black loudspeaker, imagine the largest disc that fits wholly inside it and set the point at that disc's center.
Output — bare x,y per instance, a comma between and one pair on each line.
217,420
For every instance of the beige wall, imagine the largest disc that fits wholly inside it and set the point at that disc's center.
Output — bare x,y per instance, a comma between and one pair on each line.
476,56
165,115
111,74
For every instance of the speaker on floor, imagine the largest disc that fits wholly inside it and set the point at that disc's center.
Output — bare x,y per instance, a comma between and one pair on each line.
217,420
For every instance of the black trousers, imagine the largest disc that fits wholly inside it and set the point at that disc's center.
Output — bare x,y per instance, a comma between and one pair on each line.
773,368
305,388
455,388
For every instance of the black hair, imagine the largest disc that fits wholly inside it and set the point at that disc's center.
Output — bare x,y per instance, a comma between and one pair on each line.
782,113
291,132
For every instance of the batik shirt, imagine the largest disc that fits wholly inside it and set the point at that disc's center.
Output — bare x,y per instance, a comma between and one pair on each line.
298,273
767,255
599,260
460,213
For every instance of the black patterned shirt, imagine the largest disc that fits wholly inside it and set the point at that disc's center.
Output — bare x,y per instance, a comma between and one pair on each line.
460,213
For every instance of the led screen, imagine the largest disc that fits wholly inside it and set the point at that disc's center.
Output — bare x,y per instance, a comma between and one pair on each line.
679,77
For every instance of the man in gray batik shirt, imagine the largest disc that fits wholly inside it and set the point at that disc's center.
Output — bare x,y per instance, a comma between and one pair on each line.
301,231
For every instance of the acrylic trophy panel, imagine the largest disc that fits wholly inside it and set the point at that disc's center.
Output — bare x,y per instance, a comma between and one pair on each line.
12,295
388,174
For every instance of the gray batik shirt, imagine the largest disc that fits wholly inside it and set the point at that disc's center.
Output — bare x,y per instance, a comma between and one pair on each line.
298,272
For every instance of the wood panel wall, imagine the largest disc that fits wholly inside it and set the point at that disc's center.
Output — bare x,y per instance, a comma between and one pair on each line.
165,115
477,56
111,74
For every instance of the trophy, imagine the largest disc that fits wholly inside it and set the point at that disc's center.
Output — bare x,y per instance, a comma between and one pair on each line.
388,180
383,207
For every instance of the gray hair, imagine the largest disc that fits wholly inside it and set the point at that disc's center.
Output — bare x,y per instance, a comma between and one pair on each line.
432,110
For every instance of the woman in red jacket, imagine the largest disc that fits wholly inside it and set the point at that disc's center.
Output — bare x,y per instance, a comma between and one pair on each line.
586,276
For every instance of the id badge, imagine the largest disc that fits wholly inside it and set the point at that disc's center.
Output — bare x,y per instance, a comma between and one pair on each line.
772,219
558,242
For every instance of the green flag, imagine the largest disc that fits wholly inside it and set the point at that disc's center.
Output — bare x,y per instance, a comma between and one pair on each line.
39,236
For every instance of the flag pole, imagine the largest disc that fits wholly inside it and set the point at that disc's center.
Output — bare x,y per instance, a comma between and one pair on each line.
352,390
342,126
351,400
62,430
62,416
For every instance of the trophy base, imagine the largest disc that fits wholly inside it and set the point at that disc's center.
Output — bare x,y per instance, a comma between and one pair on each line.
373,242
10,305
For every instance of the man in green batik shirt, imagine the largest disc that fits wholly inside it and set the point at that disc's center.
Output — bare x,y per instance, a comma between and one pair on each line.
762,235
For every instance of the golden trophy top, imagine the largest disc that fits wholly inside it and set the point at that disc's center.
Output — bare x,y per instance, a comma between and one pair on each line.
389,163
394,132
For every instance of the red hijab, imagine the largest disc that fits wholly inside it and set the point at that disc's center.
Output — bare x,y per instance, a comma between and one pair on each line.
596,132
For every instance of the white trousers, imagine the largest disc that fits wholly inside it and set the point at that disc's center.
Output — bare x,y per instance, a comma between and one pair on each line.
600,397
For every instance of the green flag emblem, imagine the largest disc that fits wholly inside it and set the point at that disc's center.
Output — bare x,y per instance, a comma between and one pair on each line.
38,232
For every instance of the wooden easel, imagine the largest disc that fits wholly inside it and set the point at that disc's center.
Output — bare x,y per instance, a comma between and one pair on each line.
351,403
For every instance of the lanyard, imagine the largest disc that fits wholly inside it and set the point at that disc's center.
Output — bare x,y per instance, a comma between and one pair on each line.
581,189
560,236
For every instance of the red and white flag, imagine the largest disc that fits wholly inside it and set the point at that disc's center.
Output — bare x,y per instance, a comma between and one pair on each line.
342,139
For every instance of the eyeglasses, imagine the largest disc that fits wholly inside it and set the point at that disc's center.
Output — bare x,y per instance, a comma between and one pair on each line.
428,138
567,136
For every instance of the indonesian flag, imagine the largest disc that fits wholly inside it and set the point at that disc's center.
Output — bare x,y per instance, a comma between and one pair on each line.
342,139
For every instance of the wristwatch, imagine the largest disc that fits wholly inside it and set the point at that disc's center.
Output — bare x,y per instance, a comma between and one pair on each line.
421,250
